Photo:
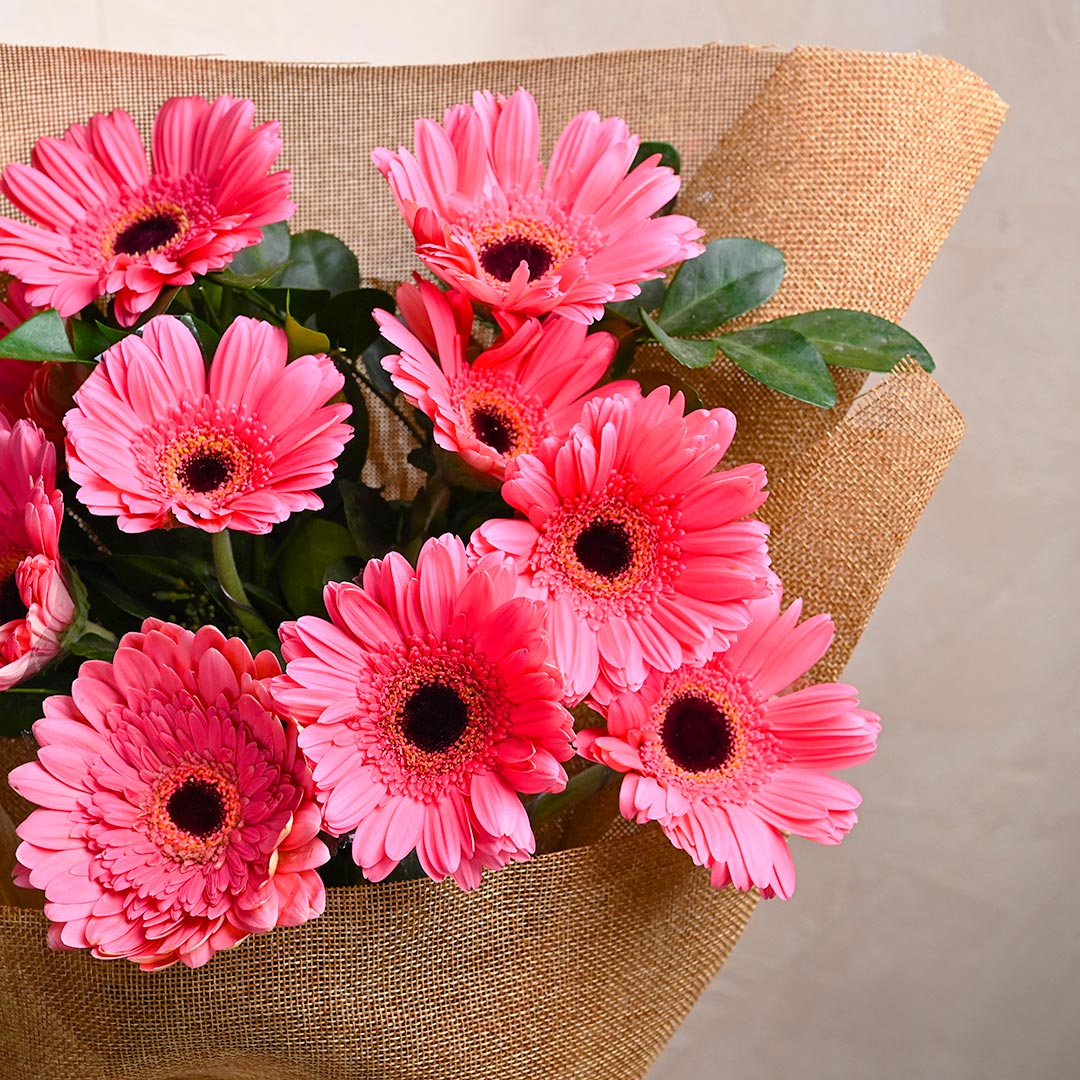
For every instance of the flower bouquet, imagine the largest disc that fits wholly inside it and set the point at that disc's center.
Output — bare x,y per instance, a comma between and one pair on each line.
417,666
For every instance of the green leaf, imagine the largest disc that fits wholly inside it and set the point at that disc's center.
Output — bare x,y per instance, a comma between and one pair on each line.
260,262
93,339
205,335
304,560
732,277
41,339
376,373
650,297
19,708
372,521
668,156
651,378
782,360
857,339
302,341
316,261
691,354
580,786
94,646
347,320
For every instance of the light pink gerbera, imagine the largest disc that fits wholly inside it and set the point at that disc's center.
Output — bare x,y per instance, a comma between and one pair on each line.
108,225
429,701
36,607
155,440
637,545
530,385
177,814
488,223
724,764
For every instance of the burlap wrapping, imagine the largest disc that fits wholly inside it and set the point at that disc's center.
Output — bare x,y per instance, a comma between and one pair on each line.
582,962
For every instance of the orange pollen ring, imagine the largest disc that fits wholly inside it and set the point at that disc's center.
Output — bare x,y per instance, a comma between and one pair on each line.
436,671
631,530
498,422
495,237
177,841
740,746
205,461
133,218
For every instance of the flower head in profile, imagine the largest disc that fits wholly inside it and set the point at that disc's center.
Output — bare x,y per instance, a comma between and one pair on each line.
529,385
428,702
107,224
726,766
639,547
488,222
176,813
36,607
155,440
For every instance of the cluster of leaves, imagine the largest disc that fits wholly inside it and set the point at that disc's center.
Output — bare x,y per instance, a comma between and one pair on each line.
733,277
790,355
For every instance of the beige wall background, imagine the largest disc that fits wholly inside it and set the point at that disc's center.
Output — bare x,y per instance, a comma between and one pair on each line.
941,940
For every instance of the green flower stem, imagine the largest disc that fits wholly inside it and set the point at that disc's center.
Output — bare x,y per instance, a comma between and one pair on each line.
232,586
579,787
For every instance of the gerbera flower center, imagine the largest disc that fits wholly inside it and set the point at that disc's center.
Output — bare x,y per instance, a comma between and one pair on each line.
434,718
204,461
205,470
696,734
493,427
194,808
605,548
499,414
147,220
435,712
502,259
613,553
502,246
197,807
149,234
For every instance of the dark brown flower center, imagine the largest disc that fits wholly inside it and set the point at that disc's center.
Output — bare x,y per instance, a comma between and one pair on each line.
493,429
434,717
205,470
197,807
503,257
696,734
146,235
604,547
11,605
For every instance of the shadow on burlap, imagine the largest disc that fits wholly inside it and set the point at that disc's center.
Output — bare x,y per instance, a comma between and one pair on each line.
582,962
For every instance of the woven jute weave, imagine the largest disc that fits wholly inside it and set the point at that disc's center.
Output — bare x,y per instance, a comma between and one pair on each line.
582,962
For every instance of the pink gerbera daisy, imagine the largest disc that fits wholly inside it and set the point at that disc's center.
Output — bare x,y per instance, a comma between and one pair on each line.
636,544
156,440
36,607
177,814
487,222
530,385
429,701
725,765
106,224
